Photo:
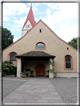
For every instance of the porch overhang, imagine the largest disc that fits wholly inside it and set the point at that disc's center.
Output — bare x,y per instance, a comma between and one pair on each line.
35,55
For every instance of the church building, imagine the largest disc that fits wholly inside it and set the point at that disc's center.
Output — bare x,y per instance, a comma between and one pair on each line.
37,46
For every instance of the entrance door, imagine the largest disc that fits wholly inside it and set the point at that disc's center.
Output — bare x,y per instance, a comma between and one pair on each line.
40,70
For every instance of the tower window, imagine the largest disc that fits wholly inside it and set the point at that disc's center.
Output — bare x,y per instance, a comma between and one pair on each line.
40,30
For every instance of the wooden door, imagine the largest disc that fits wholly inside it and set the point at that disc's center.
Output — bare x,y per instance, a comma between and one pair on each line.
40,70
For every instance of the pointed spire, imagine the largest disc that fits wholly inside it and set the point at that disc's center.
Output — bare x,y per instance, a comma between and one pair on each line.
30,17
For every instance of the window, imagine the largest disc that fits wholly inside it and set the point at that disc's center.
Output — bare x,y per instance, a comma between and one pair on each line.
40,46
67,48
68,61
12,57
40,30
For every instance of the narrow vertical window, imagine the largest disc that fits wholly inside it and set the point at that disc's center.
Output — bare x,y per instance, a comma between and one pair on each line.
68,62
40,30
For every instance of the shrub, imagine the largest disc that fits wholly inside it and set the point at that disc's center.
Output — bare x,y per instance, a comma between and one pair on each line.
8,68
14,72
26,74
55,74
31,75
47,75
31,71
3,74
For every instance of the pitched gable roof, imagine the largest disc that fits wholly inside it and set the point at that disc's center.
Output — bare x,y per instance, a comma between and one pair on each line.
36,54
48,28
30,17
58,37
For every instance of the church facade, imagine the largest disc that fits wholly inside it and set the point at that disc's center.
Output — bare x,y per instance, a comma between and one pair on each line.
37,46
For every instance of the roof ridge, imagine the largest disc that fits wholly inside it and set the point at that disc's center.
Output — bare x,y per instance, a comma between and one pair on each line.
58,36
48,28
36,54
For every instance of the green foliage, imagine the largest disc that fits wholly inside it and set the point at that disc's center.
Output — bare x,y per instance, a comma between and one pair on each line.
26,74
53,64
31,71
3,74
52,70
31,75
7,38
47,75
55,74
14,72
74,42
8,68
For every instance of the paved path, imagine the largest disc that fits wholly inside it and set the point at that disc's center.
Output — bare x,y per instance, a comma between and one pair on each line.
34,90
67,88
10,84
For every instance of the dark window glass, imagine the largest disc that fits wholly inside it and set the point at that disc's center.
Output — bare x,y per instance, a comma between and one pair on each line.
40,30
12,57
40,46
68,61
68,65
67,48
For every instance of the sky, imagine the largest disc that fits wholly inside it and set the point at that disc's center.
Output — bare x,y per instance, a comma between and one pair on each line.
62,18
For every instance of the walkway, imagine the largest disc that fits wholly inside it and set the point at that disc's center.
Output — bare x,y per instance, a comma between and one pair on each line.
34,90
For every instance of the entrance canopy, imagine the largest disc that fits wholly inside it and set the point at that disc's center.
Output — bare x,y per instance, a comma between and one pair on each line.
36,55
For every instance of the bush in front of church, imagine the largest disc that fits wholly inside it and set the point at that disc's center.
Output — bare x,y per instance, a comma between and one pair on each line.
8,68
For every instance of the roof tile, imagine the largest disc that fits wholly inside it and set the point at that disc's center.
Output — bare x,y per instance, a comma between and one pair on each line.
35,53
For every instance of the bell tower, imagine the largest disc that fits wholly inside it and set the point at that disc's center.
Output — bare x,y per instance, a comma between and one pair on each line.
29,23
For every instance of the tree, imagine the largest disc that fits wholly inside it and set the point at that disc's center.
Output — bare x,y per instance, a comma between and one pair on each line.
7,38
75,42
79,43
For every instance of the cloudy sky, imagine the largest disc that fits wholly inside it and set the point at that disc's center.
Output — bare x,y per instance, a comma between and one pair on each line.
62,18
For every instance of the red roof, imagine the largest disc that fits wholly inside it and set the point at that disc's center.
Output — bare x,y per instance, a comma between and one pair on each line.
30,17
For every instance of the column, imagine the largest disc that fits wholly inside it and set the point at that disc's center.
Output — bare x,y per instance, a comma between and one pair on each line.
50,66
19,67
